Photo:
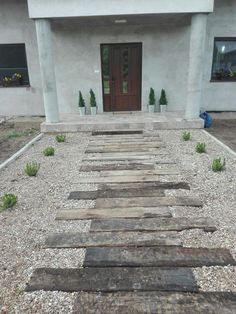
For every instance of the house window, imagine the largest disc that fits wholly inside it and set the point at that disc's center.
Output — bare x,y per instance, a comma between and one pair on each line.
224,60
13,65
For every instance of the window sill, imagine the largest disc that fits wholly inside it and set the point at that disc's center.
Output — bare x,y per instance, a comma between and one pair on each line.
17,86
223,81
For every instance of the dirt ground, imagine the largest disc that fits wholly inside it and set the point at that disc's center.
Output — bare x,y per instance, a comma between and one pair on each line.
225,131
15,133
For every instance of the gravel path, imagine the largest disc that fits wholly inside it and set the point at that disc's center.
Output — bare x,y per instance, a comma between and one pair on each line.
23,230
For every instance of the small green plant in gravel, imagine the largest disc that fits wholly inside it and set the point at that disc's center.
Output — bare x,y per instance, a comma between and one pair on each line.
49,151
16,134
8,201
218,164
60,138
32,168
186,136
201,148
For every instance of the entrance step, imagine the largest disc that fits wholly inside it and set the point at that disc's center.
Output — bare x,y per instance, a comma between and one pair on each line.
153,224
132,212
113,279
147,202
157,257
112,239
155,303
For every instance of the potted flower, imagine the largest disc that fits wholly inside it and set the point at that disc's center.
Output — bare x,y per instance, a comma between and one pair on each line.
93,103
81,104
152,100
163,101
15,80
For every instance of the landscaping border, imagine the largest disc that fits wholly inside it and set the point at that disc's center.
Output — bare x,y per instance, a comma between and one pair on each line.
20,152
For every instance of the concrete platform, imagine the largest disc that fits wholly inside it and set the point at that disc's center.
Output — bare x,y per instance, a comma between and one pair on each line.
122,121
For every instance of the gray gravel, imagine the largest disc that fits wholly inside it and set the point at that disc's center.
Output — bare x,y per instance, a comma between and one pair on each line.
23,230
217,192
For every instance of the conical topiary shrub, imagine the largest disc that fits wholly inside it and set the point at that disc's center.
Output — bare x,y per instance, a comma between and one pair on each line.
93,103
152,100
81,104
163,101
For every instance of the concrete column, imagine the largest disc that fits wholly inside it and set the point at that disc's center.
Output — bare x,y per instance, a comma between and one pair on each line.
43,31
196,65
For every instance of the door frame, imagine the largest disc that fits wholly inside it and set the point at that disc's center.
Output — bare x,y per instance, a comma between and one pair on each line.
110,64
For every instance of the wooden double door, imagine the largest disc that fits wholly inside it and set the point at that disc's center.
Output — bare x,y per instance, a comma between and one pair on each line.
121,76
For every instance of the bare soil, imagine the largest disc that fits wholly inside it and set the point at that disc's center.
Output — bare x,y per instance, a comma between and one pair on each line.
14,135
225,131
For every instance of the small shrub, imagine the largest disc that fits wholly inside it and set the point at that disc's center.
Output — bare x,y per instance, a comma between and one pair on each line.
32,169
8,201
163,99
152,98
93,102
81,100
186,136
201,148
218,164
60,138
49,151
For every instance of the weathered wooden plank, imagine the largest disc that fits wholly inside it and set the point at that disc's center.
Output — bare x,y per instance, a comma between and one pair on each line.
117,132
132,212
123,179
126,173
115,143
153,224
146,185
125,140
87,195
131,149
147,158
112,239
118,166
113,279
129,154
152,302
127,145
147,201
157,257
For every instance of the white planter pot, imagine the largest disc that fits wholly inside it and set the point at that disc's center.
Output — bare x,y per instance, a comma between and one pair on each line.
82,111
151,109
93,111
163,108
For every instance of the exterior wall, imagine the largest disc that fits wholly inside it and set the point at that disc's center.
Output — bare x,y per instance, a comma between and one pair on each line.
219,96
74,8
16,27
78,64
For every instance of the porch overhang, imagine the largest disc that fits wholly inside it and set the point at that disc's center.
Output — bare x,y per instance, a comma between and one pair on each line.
91,8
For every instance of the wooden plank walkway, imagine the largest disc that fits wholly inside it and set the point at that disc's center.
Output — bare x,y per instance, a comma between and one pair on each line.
157,257
100,213
113,279
112,239
155,302
135,262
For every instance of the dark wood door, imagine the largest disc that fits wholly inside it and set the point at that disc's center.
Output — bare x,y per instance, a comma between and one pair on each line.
121,74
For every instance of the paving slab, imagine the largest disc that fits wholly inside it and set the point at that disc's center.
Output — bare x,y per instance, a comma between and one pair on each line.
112,239
124,179
132,212
147,202
157,257
152,302
113,279
153,224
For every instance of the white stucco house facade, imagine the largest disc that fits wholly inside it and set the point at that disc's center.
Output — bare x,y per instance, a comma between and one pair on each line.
119,49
